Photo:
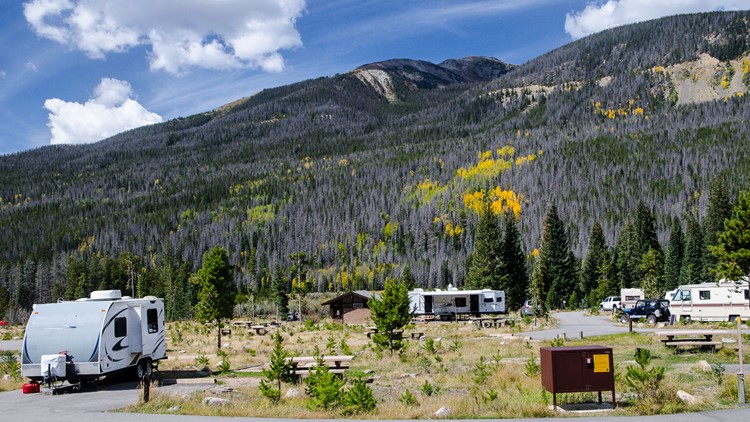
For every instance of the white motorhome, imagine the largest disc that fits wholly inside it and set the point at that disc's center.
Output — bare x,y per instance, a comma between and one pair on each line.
451,302
92,337
630,296
723,301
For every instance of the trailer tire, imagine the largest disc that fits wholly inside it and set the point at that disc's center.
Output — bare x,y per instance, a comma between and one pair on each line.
143,368
733,318
686,319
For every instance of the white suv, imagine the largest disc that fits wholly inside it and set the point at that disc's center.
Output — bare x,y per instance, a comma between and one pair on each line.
611,303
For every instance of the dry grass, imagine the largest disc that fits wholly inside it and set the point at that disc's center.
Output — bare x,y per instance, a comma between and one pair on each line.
460,348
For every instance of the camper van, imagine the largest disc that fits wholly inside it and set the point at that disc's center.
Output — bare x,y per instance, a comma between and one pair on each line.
723,301
93,337
629,297
447,304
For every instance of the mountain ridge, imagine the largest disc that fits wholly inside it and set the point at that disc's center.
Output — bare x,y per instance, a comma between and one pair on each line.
364,184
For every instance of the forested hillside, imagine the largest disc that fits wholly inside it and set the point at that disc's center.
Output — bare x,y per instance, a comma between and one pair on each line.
343,180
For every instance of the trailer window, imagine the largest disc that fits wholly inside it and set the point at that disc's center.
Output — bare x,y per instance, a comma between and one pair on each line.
152,321
704,294
121,327
460,302
489,299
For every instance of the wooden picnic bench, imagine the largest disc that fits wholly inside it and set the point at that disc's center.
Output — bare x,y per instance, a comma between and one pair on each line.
494,322
303,365
259,329
691,338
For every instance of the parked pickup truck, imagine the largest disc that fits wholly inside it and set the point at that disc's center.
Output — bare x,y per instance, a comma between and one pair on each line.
611,303
651,310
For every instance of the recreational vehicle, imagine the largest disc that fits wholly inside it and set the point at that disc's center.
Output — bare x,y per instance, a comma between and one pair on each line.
92,337
447,304
629,297
724,301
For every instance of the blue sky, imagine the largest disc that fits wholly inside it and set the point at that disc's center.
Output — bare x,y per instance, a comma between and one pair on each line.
77,71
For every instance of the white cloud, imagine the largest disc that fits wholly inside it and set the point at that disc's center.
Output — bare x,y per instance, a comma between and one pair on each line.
598,16
109,112
226,34
32,67
3,74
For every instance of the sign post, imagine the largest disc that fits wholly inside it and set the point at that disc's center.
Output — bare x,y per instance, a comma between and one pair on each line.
741,374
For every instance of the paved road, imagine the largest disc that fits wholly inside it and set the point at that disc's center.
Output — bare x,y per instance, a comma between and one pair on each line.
572,324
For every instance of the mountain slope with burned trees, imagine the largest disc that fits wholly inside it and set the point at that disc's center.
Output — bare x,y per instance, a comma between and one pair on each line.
339,182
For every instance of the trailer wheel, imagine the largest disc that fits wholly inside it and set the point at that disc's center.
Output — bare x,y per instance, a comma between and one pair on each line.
686,319
733,318
144,368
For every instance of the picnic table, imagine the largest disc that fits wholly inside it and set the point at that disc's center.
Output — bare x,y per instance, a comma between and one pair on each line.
259,329
495,322
691,338
303,365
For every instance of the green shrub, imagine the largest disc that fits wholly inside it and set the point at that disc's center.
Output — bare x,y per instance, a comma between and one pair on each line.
359,398
532,367
557,342
9,364
429,389
323,387
408,398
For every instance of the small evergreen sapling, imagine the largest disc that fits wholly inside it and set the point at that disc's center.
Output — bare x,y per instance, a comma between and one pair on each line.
280,370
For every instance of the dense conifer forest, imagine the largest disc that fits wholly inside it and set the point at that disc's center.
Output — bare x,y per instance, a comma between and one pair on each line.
597,154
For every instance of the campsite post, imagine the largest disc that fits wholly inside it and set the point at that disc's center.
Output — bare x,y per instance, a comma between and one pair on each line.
741,374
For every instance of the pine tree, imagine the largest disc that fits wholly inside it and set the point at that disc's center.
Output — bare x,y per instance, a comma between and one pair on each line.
693,269
636,238
593,262
485,269
406,277
645,230
216,289
625,262
279,370
606,283
515,279
558,278
719,209
673,260
733,248
279,293
652,267
390,313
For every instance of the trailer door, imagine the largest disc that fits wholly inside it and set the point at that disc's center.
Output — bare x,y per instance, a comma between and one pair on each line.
135,339
474,304
427,304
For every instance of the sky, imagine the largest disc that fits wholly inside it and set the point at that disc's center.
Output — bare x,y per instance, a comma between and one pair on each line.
78,71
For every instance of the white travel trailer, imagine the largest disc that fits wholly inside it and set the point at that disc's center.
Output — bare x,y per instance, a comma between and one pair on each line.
93,337
629,297
448,303
723,301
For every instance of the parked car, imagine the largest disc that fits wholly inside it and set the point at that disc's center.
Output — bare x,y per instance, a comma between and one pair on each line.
652,310
611,303
528,309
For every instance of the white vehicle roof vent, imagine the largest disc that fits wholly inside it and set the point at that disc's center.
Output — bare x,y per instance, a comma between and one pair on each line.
106,295
418,290
451,288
